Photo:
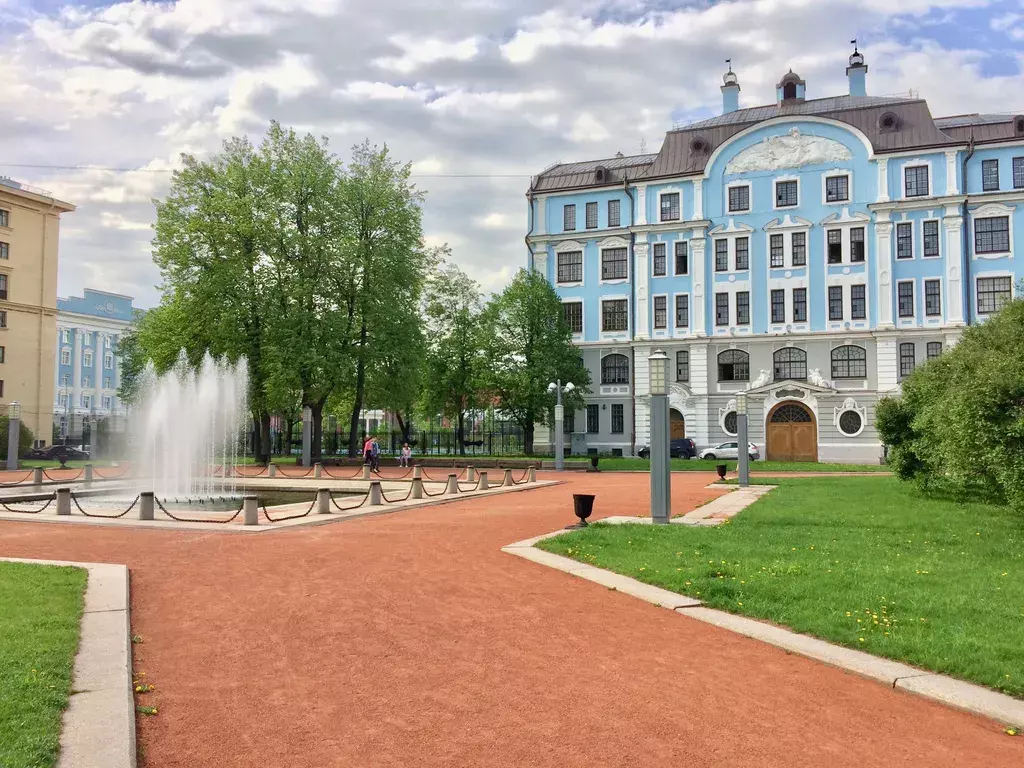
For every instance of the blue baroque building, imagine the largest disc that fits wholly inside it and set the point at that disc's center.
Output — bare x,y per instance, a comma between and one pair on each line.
809,253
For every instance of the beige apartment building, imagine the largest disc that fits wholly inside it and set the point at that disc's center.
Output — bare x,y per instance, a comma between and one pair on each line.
29,234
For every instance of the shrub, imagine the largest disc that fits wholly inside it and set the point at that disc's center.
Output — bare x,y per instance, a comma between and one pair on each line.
25,438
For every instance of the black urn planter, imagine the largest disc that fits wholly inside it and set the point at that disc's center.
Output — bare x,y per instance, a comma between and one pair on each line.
583,506
593,464
721,469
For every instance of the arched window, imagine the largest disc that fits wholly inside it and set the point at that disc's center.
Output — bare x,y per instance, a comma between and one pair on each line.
791,413
789,91
615,369
790,363
849,363
733,365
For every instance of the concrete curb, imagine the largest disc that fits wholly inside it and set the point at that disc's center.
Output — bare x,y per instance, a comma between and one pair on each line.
947,690
98,727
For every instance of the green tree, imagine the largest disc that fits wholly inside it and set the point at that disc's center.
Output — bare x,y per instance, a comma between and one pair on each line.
526,345
25,436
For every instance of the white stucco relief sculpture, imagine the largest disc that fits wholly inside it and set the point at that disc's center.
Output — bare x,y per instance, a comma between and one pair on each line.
814,377
762,378
788,151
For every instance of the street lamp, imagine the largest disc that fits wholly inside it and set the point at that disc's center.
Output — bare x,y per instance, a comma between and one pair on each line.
557,388
743,455
661,478
307,436
13,433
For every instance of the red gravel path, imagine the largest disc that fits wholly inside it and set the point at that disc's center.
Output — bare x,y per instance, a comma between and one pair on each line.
412,640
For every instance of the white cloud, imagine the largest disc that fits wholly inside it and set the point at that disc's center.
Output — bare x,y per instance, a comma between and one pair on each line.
588,128
419,51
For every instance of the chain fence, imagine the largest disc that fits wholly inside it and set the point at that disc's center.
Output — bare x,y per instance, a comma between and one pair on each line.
49,501
107,517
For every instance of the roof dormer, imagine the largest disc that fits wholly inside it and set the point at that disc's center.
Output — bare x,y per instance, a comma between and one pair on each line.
790,89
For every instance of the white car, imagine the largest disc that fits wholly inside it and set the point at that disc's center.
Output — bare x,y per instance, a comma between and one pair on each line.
730,451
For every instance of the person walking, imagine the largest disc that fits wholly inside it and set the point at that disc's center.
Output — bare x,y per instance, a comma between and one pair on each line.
375,456
368,451
406,455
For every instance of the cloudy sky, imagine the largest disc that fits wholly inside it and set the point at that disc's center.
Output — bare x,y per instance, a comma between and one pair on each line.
477,94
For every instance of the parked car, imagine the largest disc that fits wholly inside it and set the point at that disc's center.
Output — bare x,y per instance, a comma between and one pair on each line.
680,448
55,452
730,451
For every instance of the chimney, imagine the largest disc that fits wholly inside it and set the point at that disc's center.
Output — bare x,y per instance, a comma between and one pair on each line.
730,90
857,73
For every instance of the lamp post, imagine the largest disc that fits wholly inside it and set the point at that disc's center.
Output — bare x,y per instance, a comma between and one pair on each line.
307,436
661,478
13,433
743,455
557,388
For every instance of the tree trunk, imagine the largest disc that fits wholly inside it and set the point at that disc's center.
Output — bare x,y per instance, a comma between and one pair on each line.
528,438
264,436
317,437
357,403
404,426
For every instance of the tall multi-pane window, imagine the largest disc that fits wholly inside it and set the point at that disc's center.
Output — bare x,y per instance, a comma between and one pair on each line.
106,382
660,259
569,217
572,311
989,175
785,194
932,298
721,309
993,293
108,362
934,349
591,215
907,362
614,315
931,238
835,246
614,265
742,307
835,302
778,306
3,286
5,251
618,423
858,302
837,189
1018,173
614,213
857,244
733,365
916,178
570,267
683,310
739,199
5,218
721,255
682,365
776,251
661,312
799,243
849,363
107,401
615,369
593,419
992,235
87,359
790,363
670,206
904,240
682,257
65,357
742,253
905,297
3,318
799,305
65,336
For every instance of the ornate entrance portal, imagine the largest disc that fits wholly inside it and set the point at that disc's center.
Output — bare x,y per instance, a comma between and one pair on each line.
792,433
677,425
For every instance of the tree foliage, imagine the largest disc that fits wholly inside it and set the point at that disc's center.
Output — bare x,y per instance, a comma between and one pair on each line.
25,436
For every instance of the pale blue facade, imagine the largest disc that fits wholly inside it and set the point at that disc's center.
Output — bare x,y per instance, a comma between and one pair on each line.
807,254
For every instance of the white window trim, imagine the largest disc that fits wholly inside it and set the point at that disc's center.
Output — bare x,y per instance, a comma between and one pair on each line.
62,399
682,199
583,315
834,174
688,257
108,362
608,244
65,351
614,335
902,319
775,193
896,239
576,220
992,211
846,282
1001,273
939,318
597,204
750,197
685,330
917,162
732,288
613,389
668,310
938,221
729,233
607,216
667,273
108,402
786,227
65,379
65,336
569,246
850,405
87,359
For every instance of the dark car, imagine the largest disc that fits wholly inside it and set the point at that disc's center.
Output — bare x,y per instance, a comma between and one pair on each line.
56,452
680,448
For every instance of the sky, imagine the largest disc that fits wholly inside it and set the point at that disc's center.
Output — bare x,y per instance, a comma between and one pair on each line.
479,95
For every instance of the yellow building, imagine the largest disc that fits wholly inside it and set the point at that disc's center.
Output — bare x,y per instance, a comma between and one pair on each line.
29,231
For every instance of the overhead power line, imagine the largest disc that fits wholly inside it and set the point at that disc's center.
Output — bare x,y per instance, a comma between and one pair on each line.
110,169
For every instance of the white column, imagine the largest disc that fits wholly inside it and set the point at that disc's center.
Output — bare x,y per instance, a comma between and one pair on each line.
954,259
642,383
641,204
697,278
699,366
540,262
951,172
883,180
698,198
76,369
640,290
888,365
883,272
540,223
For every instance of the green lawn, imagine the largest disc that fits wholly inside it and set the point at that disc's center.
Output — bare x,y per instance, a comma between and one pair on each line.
868,563
46,464
40,610
625,464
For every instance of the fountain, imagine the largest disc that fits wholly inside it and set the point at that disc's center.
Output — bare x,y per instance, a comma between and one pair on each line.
187,422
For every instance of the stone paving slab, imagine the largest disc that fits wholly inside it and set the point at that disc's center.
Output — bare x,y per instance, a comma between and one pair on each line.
967,696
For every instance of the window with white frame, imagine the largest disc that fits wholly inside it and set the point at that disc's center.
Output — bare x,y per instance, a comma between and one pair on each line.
65,357
108,401
992,235
108,362
905,240
65,337
778,301
87,381
993,293
65,379
683,310
742,253
107,382
569,217
790,363
721,255
659,262
682,365
905,298
837,188
615,369
660,312
569,267
856,244
858,302
86,401
907,358
106,340
739,198
930,231
87,359
933,350
799,243
572,311
5,217
776,251
618,419
834,240
1018,173
670,207
932,298
721,309
614,264
742,307
3,318
63,400
5,250
990,175
614,213
849,362
733,365
3,286
799,305
915,178
787,194
682,257
835,302
614,315
591,215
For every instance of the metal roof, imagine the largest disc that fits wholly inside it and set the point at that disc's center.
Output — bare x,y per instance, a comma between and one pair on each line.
959,121
810,107
571,175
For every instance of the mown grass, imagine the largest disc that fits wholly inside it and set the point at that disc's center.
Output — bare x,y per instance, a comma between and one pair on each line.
868,563
626,464
40,611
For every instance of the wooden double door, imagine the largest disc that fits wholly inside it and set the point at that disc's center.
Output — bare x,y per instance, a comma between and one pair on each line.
677,425
792,433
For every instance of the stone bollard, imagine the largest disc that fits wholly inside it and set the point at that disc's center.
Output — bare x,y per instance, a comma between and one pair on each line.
37,476
318,469
417,489
470,474
453,484
146,506
63,501
88,475
532,477
250,510
482,486
375,494
508,481
417,472
366,471
271,472
323,500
